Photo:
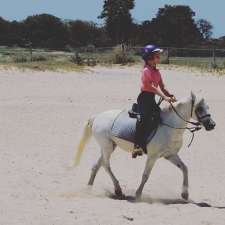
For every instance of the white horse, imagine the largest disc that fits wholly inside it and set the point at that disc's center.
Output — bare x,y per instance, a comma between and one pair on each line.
166,143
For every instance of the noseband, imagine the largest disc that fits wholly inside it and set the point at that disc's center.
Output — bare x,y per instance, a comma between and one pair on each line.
202,118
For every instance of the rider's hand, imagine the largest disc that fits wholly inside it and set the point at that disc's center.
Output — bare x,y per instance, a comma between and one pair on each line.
168,99
174,99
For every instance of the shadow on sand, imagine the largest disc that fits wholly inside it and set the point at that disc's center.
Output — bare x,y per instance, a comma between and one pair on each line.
163,201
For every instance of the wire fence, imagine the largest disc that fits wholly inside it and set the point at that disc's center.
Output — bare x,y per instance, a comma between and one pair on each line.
207,58
194,57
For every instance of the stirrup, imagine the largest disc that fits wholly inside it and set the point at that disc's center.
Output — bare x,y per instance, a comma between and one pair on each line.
137,151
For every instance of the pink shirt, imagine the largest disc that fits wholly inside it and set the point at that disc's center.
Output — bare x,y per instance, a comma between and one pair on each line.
150,76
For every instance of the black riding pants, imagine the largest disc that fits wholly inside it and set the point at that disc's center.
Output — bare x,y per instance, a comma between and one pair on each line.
148,110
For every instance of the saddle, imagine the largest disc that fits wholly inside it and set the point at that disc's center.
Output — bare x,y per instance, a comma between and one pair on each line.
124,126
134,112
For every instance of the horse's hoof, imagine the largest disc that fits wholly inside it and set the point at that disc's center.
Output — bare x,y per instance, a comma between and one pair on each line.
119,194
137,197
185,195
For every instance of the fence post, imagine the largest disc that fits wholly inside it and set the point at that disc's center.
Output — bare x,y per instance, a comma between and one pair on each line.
78,58
30,47
214,59
31,53
123,47
168,55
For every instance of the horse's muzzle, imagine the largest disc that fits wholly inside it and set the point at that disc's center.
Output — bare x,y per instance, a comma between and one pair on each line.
209,124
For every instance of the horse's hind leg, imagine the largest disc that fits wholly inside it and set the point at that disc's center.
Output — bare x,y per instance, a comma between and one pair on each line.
175,159
95,169
118,190
107,151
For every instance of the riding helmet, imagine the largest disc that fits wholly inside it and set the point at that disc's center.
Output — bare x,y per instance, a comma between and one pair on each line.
149,50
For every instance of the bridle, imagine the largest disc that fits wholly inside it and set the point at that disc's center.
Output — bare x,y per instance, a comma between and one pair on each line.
192,108
202,118
196,126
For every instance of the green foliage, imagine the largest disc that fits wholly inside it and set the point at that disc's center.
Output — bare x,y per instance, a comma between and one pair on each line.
45,31
118,20
205,28
83,33
175,26
11,33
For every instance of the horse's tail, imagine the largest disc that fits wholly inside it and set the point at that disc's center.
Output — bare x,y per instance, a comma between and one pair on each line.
87,133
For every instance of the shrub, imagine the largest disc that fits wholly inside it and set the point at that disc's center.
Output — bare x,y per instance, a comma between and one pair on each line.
39,58
20,59
76,58
120,56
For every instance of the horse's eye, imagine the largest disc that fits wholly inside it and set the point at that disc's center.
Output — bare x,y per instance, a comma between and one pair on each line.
200,109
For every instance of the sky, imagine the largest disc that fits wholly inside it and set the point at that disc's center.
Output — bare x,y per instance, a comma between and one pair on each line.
91,9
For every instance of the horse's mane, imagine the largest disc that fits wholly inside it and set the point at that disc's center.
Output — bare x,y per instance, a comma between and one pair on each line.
168,108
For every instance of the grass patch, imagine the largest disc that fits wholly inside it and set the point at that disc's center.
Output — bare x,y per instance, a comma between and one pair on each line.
69,61
39,60
45,66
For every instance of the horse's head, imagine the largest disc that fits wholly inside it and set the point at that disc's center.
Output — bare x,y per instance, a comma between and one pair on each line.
201,113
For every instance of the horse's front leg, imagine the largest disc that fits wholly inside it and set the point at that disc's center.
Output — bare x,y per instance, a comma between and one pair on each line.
148,168
175,159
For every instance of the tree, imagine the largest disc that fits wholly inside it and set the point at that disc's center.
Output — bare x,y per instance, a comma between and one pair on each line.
118,20
175,26
205,28
4,30
46,31
84,33
146,33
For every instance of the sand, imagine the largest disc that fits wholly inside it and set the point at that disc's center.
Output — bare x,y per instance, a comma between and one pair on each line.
41,120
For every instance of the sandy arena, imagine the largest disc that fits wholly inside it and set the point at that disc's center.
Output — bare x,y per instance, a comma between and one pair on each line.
42,116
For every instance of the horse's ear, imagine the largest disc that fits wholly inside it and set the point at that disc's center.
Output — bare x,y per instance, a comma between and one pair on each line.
193,96
202,101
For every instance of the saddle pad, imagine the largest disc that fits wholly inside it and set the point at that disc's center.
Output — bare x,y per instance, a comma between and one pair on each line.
124,127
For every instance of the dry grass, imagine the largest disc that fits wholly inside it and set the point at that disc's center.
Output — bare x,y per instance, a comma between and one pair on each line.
64,61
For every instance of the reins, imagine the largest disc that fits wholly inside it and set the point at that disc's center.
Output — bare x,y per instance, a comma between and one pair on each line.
196,125
192,123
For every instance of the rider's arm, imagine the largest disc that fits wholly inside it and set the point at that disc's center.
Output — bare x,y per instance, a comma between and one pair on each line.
158,91
164,90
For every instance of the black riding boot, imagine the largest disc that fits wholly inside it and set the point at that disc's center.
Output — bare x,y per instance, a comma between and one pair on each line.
141,135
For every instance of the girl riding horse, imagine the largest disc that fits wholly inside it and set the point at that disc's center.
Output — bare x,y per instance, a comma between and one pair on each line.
151,85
